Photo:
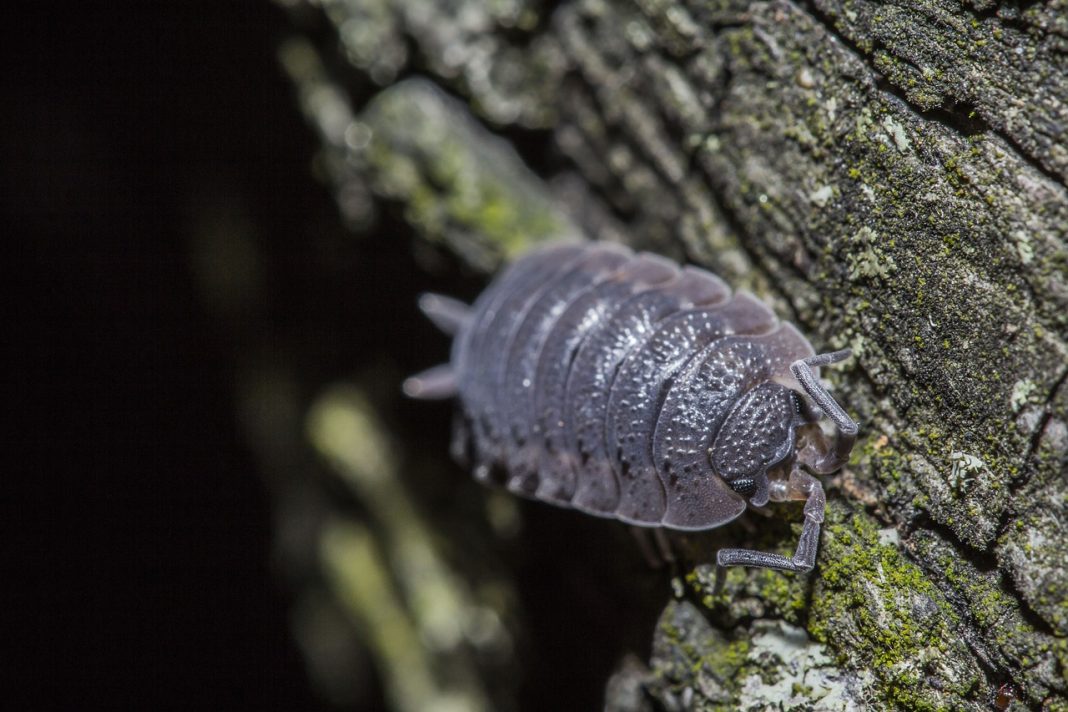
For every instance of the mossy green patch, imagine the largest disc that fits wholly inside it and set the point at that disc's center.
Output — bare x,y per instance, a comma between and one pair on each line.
455,181
877,610
1034,660
686,648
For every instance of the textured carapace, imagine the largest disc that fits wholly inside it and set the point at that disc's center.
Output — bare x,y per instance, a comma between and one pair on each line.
627,387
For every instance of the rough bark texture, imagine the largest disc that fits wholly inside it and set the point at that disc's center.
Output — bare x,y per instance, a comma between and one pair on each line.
891,177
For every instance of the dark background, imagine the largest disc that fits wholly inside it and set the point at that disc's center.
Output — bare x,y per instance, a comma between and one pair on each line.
136,544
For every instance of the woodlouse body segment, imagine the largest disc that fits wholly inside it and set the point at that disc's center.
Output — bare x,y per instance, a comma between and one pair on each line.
623,386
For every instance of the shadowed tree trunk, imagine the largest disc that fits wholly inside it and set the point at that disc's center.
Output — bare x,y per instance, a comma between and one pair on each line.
890,176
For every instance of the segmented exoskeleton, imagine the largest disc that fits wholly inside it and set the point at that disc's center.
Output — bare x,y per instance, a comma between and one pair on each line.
627,387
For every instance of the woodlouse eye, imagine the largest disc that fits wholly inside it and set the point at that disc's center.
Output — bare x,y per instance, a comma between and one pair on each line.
744,486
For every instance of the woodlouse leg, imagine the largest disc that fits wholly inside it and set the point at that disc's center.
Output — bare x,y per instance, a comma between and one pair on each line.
446,313
664,545
460,441
846,433
642,536
801,486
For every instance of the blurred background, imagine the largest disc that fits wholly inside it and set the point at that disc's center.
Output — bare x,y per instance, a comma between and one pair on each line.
216,497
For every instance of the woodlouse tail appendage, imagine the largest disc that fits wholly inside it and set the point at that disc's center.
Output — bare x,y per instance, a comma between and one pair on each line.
439,382
446,313
624,386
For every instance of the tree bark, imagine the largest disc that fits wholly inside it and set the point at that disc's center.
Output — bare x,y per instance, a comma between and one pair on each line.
889,176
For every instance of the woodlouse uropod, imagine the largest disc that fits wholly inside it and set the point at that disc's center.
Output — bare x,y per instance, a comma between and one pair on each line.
624,386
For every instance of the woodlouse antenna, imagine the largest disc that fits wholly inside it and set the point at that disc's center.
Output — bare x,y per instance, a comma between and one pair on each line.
846,428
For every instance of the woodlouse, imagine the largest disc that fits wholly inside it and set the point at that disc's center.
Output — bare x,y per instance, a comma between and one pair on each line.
627,387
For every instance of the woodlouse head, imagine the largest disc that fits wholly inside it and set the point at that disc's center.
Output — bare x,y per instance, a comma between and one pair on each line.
759,434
